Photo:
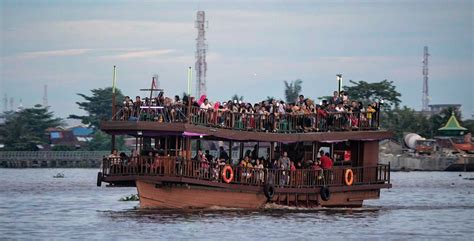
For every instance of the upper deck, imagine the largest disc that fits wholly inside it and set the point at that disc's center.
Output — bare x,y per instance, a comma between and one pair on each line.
180,119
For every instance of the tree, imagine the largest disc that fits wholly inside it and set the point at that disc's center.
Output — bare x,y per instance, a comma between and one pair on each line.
25,129
369,92
469,124
270,98
237,97
98,106
102,142
404,120
292,90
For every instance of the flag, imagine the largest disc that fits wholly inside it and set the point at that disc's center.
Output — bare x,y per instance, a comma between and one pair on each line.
114,80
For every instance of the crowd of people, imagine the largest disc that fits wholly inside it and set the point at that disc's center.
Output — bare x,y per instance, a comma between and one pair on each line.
336,113
250,168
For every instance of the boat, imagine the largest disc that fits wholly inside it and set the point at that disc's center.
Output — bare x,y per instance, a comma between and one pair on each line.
168,136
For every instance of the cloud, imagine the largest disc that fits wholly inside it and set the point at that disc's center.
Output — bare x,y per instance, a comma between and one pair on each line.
141,54
53,53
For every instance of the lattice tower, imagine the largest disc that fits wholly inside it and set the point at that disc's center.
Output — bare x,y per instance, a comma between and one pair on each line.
201,49
45,96
425,99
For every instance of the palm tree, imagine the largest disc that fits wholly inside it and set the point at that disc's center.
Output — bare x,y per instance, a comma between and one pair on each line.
292,90
237,97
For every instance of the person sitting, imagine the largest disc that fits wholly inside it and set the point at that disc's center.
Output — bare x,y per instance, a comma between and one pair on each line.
157,165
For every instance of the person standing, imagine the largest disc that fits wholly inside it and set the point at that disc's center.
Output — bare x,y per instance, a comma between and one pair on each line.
326,162
223,154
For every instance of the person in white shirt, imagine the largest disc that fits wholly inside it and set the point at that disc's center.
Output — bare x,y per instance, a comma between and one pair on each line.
206,105
340,107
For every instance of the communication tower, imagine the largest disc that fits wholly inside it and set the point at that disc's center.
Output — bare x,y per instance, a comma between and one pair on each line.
11,103
5,102
425,99
201,49
45,96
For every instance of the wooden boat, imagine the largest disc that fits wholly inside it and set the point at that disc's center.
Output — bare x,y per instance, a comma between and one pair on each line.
173,180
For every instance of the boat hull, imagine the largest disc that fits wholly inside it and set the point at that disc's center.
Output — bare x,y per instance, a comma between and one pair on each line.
193,197
155,195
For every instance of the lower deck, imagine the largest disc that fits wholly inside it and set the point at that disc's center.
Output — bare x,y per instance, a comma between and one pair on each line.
168,183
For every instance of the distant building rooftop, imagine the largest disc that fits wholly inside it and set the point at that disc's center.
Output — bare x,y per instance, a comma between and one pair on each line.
81,131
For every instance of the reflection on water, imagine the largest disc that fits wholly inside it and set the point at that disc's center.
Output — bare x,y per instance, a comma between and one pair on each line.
432,205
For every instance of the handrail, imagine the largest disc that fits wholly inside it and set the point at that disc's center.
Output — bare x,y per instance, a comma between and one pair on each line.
266,122
48,155
300,178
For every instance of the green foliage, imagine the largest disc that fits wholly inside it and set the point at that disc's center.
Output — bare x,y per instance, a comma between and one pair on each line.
98,106
469,124
367,92
237,97
25,129
292,90
103,142
63,148
403,120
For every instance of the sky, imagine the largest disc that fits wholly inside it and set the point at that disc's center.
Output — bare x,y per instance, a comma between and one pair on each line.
254,46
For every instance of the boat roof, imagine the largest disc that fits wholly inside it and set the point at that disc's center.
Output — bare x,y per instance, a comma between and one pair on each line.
155,129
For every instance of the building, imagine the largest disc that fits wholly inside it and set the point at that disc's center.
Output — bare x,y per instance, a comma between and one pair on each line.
75,137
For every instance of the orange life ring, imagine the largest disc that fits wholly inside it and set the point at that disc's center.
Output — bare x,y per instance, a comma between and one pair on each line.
348,177
227,170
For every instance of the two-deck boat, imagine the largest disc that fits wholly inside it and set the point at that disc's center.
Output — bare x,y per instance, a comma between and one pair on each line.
172,180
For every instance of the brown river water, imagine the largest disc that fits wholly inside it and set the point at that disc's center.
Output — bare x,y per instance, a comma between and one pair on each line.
421,205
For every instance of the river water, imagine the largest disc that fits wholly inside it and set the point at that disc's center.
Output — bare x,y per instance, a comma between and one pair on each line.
421,205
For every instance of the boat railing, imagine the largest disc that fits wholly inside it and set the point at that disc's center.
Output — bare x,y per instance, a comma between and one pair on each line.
52,155
299,178
263,122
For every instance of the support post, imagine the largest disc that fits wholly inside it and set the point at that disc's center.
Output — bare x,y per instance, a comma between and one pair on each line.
241,150
113,96
272,151
230,151
113,143
176,146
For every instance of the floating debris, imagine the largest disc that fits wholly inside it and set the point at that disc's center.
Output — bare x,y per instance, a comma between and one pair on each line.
59,175
469,178
133,197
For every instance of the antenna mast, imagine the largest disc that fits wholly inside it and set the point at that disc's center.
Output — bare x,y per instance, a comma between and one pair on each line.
45,96
425,98
201,49
12,103
5,103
